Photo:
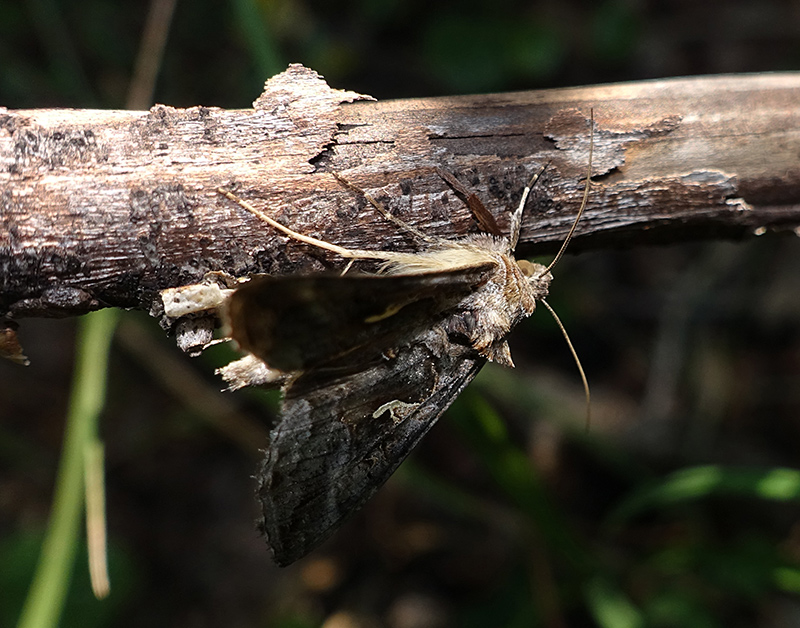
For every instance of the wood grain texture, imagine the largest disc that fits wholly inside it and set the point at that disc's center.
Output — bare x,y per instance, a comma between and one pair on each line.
107,208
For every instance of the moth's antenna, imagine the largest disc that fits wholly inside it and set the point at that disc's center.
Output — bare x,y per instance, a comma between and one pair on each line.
585,196
339,250
558,257
516,217
577,361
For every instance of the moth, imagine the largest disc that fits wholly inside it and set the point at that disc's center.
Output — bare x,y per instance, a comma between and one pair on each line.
369,362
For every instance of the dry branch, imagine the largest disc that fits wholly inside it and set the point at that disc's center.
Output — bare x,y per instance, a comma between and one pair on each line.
107,208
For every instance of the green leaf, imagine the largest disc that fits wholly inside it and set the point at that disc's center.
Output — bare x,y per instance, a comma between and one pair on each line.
778,484
610,606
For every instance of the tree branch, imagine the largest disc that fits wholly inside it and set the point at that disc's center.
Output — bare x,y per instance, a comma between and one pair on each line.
107,208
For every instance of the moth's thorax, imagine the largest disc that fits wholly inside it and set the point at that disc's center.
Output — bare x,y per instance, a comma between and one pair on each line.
523,284
509,294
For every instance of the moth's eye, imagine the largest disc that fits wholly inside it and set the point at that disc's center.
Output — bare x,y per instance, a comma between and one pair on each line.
528,269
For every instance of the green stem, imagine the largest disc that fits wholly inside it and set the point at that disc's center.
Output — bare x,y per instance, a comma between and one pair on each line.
50,584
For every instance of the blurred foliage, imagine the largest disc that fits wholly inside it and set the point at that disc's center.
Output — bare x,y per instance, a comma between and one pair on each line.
44,604
18,554
677,515
80,53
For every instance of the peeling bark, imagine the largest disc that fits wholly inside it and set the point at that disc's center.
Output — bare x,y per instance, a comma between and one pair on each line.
107,208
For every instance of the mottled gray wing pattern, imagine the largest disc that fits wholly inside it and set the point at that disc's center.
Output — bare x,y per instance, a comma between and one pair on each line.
341,435
299,323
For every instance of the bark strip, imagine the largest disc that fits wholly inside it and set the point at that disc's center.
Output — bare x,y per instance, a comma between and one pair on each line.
107,208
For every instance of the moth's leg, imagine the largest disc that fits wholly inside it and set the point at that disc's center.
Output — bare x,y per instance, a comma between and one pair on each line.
385,212
482,215
348,267
516,217
585,199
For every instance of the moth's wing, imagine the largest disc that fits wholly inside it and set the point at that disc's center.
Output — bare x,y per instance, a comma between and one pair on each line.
297,323
341,435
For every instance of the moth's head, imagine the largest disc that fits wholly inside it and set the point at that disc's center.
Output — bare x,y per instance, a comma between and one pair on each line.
537,275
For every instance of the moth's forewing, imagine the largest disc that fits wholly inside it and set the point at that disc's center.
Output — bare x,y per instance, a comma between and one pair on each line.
300,323
340,437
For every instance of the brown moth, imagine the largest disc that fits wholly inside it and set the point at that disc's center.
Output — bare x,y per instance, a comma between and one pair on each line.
368,363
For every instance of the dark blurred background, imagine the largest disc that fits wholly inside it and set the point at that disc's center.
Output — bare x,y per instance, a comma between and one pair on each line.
510,513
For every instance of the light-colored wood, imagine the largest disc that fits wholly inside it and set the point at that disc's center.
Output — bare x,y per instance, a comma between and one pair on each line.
110,207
